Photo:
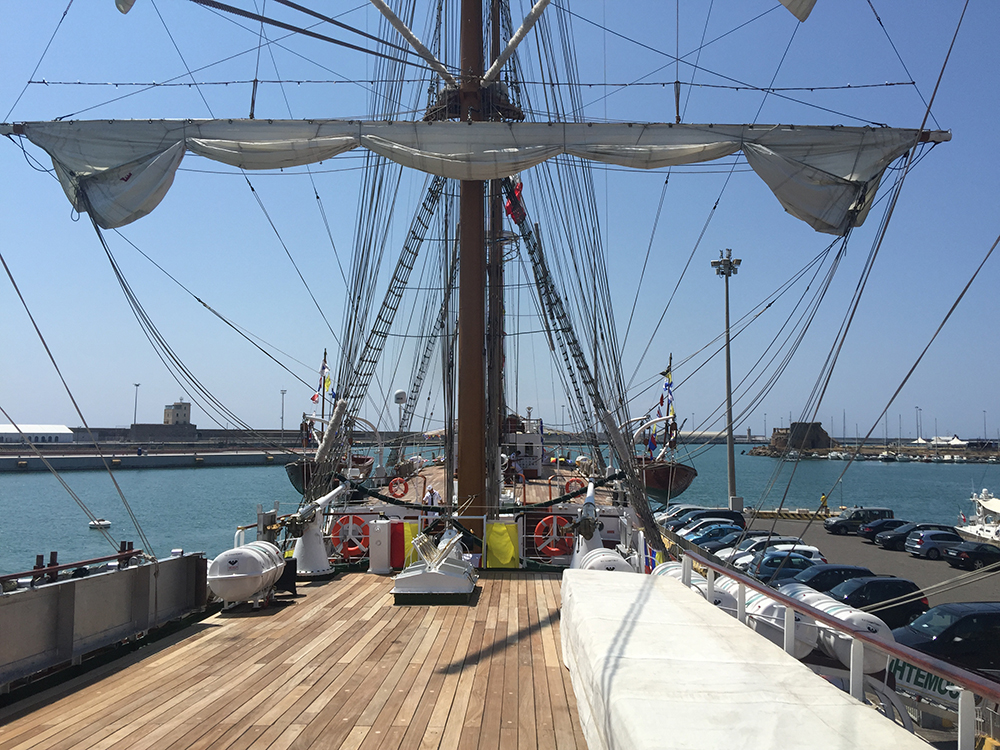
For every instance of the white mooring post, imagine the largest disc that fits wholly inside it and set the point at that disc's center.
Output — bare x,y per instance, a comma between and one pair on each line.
857,669
687,566
966,719
789,630
741,603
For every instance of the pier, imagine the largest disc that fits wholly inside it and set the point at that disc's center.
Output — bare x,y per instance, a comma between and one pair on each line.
133,459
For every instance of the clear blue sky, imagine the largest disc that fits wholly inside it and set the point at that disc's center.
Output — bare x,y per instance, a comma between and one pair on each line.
211,236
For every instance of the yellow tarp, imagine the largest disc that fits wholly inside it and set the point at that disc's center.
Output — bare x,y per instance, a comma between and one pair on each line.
501,545
410,531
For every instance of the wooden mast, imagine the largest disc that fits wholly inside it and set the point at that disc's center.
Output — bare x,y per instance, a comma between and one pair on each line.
471,286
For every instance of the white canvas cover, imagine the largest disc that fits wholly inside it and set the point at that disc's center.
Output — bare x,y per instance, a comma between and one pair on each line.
121,170
653,665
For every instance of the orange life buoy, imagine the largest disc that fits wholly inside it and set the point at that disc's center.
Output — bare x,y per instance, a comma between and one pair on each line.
553,537
350,536
575,483
398,487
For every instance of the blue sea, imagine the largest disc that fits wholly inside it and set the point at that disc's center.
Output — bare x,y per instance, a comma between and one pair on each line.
198,509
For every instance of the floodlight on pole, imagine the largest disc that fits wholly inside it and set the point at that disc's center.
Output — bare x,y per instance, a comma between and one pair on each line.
725,267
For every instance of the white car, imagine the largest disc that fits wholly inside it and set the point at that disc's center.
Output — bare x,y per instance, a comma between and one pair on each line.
752,545
813,553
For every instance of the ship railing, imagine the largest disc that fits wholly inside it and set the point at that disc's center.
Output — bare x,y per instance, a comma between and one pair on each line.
87,614
51,571
969,685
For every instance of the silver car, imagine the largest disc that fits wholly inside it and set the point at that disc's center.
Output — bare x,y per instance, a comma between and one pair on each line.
930,543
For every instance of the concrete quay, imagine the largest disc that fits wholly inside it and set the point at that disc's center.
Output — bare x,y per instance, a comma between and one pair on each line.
132,460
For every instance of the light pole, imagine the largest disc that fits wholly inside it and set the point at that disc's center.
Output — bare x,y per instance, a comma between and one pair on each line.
984,425
725,267
916,418
283,392
135,407
766,438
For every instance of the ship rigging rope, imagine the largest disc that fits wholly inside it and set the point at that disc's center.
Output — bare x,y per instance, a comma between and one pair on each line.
826,375
250,338
743,85
40,58
708,220
901,62
184,377
147,547
213,4
180,54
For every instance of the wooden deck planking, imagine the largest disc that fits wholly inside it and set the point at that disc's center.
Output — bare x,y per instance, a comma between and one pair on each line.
339,666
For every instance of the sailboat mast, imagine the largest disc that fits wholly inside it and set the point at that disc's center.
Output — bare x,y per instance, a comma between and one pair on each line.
471,285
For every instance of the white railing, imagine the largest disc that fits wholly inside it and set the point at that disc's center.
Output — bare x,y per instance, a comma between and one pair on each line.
969,685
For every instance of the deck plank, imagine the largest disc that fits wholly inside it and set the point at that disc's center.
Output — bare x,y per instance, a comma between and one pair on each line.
339,666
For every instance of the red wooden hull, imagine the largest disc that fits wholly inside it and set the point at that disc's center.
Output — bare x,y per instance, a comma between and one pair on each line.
665,480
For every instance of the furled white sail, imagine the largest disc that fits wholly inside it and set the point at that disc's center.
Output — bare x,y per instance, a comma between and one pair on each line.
799,8
120,170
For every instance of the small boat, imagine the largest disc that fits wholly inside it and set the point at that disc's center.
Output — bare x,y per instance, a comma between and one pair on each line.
665,480
302,473
100,523
984,526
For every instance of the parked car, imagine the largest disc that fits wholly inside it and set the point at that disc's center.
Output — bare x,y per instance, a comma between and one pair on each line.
931,543
805,550
869,530
771,565
870,593
824,577
699,525
733,538
973,555
852,519
715,532
964,633
896,538
672,524
673,511
743,562
754,545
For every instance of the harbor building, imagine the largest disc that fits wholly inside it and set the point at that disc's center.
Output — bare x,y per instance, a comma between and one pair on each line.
178,412
36,433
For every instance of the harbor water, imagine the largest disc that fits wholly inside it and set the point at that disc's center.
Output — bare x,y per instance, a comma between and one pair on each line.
198,509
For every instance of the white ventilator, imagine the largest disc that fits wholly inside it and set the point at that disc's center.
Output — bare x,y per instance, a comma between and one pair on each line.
310,553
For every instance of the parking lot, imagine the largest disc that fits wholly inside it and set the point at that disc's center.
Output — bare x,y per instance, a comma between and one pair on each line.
927,574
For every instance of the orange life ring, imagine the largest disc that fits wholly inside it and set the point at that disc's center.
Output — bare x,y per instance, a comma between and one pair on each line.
398,487
350,536
553,537
573,483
